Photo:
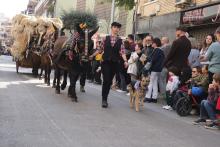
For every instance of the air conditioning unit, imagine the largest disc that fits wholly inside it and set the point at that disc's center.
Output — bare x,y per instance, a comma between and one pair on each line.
182,3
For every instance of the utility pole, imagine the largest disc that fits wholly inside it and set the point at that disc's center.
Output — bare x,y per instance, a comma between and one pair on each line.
135,19
112,14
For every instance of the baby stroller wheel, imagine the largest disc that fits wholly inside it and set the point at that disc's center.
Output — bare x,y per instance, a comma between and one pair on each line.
183,106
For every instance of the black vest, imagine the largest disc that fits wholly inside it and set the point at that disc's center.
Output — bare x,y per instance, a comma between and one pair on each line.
112,53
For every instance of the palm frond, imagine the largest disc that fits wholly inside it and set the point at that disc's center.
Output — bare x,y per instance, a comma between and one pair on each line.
72,19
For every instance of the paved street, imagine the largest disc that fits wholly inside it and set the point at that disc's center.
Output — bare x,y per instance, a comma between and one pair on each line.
32,115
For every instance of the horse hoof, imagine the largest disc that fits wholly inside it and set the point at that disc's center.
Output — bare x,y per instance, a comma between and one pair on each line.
63,87
57,91
74,100
48,84
54,86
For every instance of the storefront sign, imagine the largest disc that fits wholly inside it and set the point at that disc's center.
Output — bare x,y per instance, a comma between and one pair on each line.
204,15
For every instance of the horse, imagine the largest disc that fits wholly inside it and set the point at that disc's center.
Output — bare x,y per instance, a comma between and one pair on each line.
73,65
31,56
46,59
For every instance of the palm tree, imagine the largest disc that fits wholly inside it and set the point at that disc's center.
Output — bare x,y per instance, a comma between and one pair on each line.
128,4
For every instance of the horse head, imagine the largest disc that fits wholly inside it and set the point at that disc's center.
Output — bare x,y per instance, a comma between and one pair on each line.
85,40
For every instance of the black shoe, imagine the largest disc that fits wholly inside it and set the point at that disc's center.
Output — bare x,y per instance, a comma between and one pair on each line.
148,100
154,100
104,104
199,121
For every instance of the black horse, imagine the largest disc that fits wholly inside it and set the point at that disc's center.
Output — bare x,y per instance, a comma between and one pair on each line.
71,57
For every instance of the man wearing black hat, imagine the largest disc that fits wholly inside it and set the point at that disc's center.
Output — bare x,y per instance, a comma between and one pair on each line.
113,49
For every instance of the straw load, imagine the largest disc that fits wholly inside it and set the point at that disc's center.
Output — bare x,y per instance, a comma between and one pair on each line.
24,27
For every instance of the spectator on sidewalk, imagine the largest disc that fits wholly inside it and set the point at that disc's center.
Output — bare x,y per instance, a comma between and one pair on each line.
180,50
171,87
206,44
213,56
131,42
157,60
125,78
163,75
194,54
208,107
132,62
147,43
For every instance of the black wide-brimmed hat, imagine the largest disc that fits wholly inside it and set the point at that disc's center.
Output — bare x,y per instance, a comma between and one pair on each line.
116,24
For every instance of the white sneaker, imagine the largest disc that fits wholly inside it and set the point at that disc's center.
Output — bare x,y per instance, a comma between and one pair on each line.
168,107
128,94
119,90
164,107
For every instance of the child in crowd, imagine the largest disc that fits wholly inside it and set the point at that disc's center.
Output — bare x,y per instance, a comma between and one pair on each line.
132,67
172,86
208,106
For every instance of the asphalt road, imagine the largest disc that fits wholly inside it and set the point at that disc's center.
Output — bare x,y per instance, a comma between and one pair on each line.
32,115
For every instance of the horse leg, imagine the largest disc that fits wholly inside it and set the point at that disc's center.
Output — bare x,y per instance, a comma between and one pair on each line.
17,66
85,67
54,79
45,76
63,86
58,80
72,89
35,70
48,75
41,73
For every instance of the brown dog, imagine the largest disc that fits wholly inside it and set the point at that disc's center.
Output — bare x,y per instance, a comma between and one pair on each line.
137,92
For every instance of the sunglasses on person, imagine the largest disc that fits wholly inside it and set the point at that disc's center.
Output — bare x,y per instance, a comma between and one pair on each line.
194,71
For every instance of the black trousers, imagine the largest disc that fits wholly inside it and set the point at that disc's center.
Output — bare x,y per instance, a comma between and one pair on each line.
109,69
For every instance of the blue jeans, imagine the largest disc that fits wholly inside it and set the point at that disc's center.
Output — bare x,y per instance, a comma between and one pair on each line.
207,110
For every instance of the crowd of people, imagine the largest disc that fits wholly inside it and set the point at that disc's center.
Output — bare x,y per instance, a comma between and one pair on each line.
170,66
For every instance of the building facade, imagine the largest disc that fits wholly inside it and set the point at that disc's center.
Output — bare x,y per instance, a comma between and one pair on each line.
5,33
161,17
102,8
31,7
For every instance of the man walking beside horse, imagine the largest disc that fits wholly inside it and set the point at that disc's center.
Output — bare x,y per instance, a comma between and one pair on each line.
113,49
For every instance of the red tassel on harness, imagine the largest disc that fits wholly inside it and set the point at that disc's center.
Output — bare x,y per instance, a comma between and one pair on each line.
70,55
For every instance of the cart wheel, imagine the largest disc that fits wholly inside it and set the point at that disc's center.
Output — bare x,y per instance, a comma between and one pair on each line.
183,106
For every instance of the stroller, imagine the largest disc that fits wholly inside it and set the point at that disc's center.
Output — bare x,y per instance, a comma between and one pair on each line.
184,102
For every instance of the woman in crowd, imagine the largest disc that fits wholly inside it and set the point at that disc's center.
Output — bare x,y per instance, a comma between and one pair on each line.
213,56
157,60
193,58
207,42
